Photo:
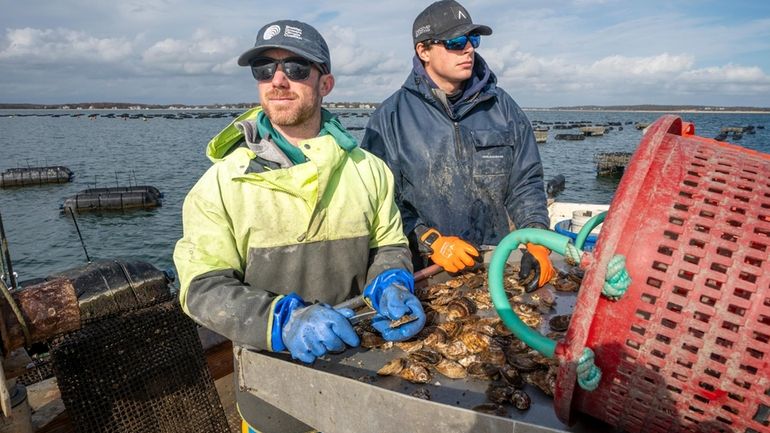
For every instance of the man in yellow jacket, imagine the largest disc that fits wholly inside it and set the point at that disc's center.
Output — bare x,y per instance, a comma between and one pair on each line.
292,217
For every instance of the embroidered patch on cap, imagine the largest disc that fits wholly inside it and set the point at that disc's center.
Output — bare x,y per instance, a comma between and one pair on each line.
293,32
271,31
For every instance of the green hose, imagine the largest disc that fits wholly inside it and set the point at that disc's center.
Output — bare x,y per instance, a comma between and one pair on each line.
551,240
588,227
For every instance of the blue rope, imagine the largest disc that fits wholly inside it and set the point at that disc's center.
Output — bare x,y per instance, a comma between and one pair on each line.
617,280
588,373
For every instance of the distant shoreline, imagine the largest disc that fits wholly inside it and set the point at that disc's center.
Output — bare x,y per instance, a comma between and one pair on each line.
651,111
643,108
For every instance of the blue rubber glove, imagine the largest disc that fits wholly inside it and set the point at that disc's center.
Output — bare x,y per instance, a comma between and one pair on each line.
400,300
391,294
317,329
374,291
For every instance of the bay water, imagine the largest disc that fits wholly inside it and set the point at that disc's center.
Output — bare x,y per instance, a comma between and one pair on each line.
169,153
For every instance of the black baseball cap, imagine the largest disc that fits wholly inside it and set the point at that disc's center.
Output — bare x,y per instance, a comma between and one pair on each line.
300,38
445,19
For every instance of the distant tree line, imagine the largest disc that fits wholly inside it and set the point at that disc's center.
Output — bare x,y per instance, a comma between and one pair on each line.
651,107
244,105
135,106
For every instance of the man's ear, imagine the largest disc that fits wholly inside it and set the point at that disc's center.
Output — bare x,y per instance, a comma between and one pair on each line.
423,52
326,84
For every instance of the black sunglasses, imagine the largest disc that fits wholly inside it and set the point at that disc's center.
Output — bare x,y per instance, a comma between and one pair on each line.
295,68
459,42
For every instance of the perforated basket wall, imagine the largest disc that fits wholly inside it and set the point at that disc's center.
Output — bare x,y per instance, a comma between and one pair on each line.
688,347
140,371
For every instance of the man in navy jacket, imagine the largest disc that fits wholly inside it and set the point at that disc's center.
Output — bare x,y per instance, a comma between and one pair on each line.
462,151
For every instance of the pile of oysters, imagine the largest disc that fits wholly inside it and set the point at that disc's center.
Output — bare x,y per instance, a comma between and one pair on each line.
464,338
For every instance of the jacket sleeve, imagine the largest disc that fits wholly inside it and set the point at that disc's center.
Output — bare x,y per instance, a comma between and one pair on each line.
210,271
526,201
380,140
388,248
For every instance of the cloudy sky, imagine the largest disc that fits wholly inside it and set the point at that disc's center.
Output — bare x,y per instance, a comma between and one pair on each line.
545,52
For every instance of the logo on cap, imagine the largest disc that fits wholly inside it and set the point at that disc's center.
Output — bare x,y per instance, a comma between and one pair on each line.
460,14
421,30
271,31
293,32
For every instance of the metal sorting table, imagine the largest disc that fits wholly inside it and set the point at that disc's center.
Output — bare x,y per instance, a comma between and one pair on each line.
342,393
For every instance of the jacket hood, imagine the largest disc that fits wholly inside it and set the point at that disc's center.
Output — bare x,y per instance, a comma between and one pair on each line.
227,139
482,80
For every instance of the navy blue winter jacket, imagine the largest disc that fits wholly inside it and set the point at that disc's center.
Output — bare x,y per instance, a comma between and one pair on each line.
466,170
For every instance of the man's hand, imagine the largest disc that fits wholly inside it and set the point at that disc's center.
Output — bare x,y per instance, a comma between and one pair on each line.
391,295
450,252
317,329
536,268
396,302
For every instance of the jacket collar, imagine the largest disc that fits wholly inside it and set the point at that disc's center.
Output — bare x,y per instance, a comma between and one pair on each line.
307,181
479,86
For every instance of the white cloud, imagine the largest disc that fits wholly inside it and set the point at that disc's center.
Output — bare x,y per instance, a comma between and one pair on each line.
623,67
204,53
29,45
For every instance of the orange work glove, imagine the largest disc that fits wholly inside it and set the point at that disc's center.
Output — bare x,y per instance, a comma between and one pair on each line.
536,268
450,252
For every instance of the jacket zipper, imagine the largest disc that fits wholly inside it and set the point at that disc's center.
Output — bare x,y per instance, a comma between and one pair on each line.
458,147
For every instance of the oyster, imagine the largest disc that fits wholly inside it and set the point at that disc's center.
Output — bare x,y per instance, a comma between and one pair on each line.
520,400
494,355
501,329
431,317
481,298
476,281
461,307
524,362
530,316
402,321
544,380
426,356
452,329
482,370
566,286
511,376
499,393
393,367
370,340
516,346
434,336
560,323
451,369
475,341
454,283
415,372
444,301
483,326
409,346
455,349
465,361
422,393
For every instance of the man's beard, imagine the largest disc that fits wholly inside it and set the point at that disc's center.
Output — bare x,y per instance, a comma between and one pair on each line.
294,115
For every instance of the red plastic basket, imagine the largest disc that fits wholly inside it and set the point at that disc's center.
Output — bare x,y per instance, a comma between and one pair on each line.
687,348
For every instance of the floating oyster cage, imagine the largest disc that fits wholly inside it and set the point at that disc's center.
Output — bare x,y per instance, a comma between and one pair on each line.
35,176
114,199
611,163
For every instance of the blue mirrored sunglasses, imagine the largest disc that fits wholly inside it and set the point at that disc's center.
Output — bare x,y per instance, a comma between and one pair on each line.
459,42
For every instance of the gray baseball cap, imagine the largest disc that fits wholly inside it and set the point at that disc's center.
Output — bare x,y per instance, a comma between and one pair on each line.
445,19
295,36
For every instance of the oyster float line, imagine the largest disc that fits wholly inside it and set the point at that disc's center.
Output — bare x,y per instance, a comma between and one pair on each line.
464,339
